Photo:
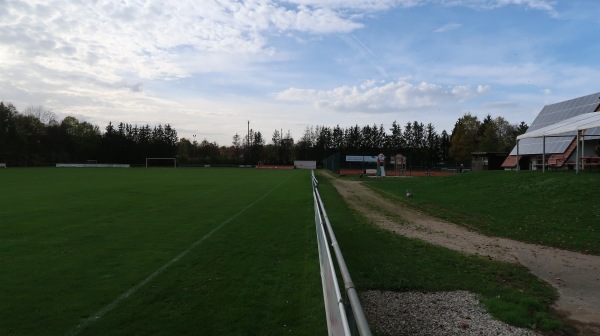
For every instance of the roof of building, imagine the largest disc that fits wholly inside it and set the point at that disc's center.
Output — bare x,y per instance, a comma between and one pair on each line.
580,122
553,114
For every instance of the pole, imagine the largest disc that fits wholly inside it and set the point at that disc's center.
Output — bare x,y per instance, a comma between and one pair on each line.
248,139
518,154
544,154
577,154
582,148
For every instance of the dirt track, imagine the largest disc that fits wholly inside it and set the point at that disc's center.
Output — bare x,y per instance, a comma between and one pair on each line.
576,276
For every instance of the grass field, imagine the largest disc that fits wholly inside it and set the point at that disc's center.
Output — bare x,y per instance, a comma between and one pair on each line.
158,251
380,260
220,252
558,209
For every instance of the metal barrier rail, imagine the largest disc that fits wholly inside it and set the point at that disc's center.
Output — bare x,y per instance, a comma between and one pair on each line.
357,319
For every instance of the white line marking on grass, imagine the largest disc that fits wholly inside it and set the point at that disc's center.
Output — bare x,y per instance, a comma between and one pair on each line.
100,313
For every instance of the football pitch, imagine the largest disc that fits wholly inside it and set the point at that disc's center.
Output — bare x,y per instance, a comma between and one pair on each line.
158,252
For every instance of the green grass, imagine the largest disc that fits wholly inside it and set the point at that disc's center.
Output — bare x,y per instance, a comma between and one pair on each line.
229,251
239,246
552,209
380,260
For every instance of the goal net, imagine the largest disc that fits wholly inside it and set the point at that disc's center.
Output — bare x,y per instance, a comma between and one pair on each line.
161,162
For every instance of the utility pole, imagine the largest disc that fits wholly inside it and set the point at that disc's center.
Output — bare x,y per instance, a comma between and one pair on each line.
194,148
248,137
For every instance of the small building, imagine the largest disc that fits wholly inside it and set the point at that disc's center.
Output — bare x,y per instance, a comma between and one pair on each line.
481,161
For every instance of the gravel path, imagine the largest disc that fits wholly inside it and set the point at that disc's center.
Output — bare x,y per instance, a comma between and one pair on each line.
426,314
576,276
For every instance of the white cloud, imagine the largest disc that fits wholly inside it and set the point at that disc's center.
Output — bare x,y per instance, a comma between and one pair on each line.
96,58
447,27
111,60
373,5
377,5
148,39
373,96
533,4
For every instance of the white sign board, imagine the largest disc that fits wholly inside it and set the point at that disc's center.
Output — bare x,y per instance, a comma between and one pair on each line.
305,164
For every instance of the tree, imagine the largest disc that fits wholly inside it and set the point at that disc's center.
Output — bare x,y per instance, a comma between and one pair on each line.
488,135
444,146
255,146
208,151
367,144
395,141
8,112
185,151
432,145
324,143
337,138
305,147
353,139
287,148
46,116
522,128
464,138
237,145
26,145
507,135
80,139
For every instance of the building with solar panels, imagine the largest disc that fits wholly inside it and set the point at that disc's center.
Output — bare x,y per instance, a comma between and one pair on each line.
551,140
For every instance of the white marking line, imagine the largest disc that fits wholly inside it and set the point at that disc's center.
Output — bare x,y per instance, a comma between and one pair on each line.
100,313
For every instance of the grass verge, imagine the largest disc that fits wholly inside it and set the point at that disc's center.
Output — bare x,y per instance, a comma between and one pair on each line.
380,260
551,209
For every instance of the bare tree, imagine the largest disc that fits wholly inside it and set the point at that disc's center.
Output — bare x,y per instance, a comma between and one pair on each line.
46,116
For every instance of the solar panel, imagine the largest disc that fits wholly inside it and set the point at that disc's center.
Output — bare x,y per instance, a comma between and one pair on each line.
553,113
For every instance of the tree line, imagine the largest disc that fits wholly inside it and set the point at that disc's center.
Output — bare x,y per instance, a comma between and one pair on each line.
35,138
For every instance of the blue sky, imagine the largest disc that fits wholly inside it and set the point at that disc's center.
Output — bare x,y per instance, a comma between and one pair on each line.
207,67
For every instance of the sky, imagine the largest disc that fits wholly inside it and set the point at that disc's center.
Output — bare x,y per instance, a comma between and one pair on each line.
208,67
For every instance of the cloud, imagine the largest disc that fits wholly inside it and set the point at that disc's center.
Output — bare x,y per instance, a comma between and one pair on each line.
378,5
374,96
106,55
137,61
500,105
544,5
447,27
148,39
372,5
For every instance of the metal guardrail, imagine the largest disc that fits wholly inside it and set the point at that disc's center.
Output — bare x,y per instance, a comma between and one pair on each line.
352,311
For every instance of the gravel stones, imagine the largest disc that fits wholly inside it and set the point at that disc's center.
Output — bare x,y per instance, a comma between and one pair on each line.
440,313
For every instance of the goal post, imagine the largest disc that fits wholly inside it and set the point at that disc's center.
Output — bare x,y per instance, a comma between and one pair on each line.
161,162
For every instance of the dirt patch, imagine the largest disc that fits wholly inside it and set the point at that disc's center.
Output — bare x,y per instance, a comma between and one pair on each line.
576,276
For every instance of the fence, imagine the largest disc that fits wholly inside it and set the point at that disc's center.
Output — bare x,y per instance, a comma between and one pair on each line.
344,317
354,164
